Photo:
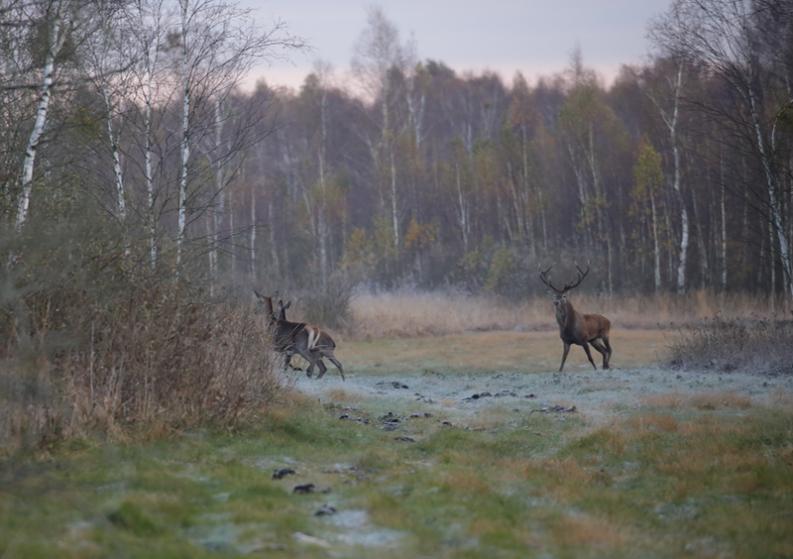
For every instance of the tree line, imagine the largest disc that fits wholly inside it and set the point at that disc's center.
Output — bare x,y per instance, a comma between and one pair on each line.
124,124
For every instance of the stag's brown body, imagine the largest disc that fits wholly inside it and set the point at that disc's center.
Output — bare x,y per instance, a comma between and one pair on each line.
306,340
583,329
577,328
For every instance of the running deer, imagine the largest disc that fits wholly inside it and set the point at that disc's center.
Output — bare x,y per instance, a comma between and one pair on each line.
577,328
306,340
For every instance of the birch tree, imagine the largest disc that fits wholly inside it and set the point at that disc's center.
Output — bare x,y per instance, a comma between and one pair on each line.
55,18
218,44
728,37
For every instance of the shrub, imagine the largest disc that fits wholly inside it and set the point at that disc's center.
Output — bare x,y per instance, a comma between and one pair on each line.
329,306
759,344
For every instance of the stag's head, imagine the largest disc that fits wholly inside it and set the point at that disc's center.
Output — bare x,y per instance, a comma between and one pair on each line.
560,295
268,305
282,309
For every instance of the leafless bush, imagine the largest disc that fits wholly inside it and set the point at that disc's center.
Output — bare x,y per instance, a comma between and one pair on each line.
154,357
755,344
329,306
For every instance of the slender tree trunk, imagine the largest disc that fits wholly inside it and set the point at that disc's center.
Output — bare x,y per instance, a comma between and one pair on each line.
273,243
217,212
772,266
723,227
252,240
185,142
121,202
656,245
55,37
322,217
684,235
394,200
149,173
462,208
773,201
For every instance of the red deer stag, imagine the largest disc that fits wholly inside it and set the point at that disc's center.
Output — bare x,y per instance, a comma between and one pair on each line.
577,328
306,340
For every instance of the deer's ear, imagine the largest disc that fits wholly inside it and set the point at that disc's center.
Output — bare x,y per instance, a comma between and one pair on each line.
289,304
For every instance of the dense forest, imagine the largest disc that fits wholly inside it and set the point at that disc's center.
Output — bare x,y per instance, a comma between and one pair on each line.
126,132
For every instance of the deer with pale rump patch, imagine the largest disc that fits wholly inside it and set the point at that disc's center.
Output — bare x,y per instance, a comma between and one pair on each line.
309,341
577,328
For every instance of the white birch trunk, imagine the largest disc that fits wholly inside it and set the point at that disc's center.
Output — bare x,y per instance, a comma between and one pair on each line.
185,142
394,200
322,218
252,240
723,230
42,110
773,202
656,245
684,235
121,203
217,213
462,208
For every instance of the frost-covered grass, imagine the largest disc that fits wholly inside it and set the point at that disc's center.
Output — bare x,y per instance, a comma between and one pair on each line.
676,476
652,464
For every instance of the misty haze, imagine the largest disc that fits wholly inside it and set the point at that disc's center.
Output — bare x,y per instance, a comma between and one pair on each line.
446,279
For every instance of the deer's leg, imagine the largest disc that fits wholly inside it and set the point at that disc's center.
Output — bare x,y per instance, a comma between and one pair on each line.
589,354
608,347
288,362
305,354
598,345
564,355
337,364
322,368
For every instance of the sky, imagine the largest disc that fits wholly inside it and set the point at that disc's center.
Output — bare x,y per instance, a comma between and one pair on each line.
535,37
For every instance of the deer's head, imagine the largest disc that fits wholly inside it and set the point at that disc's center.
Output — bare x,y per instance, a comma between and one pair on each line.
282,309
560,295
267,302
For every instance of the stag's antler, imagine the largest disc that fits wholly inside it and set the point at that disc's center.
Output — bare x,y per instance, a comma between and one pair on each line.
581,275
546,281
568,286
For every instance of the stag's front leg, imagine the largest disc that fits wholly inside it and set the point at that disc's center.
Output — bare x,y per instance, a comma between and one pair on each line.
288,363
564,355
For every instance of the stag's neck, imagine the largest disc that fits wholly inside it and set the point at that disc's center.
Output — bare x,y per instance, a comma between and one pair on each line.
565,317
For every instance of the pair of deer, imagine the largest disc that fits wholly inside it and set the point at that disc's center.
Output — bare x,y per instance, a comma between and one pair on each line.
306,340
577,328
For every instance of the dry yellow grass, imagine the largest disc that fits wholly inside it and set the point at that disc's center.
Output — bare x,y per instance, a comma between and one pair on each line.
707,401
413,314
503,351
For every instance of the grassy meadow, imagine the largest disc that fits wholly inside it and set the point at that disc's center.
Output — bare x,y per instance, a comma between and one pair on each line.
680,477
671,474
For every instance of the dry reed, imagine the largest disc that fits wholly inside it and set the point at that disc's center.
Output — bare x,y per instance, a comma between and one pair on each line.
410,313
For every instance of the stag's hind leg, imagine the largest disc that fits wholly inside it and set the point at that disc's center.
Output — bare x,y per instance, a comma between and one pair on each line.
322,368
598,345
608,347
336,363
308,356
589,354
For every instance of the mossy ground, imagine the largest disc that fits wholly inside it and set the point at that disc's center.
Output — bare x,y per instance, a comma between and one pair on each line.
673,476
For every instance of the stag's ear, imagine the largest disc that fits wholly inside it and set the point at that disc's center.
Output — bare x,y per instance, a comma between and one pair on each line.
288,304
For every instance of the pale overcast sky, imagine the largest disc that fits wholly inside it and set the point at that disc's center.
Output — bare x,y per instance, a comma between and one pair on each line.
533,36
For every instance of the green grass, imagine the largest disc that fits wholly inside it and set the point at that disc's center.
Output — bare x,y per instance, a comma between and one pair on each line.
707,475
662,482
